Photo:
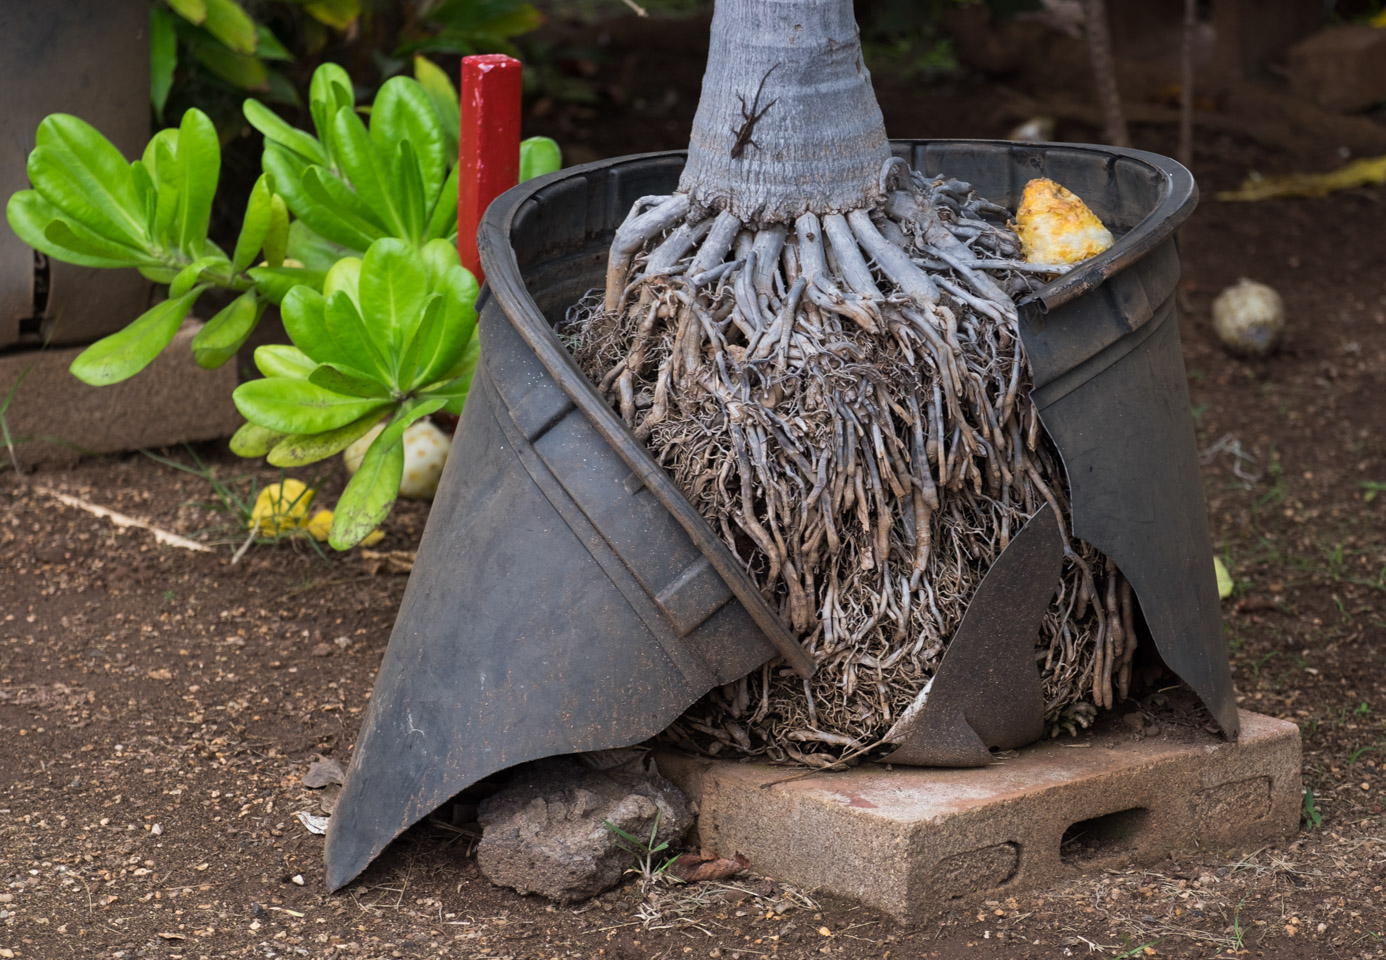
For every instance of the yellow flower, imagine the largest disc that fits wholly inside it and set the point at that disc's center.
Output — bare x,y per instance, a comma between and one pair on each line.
281,507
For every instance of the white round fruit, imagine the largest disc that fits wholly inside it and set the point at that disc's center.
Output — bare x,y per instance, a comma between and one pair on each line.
1249,318
425,450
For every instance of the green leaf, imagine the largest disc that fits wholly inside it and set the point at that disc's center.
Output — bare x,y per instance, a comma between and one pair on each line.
300,449
444,98
276,282
354,339
423,345
254,227
337,14
253,440
199,163
403,111
404,171
238,69
332,210
442,222
459,290
313,250
348,382
193,11
277,235
72,243
126,352
80,172
192,273
329,91
439,256
366,168
297,406
457,388
146,194
222,336
280,360
163,58
369,495
268,46
538,156
275,129
367,499
1225,583
394,286
344,275
228,22
302,313
169,187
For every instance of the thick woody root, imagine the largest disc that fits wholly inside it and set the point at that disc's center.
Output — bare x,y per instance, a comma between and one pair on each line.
846,400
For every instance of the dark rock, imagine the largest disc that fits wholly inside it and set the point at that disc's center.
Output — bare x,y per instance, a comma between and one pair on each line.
546,832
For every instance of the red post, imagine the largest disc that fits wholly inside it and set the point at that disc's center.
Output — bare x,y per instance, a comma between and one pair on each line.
489,148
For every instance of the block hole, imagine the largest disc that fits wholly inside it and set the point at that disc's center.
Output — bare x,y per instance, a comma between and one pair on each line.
1105,836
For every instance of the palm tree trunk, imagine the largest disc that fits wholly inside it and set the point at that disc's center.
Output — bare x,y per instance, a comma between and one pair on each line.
787,123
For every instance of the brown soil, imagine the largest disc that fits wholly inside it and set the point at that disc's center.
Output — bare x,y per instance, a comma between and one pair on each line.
159,707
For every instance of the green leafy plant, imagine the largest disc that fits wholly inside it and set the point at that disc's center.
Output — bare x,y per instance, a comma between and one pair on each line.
350,186
1313,819
648,863
90,207
379,309
391,337
221,39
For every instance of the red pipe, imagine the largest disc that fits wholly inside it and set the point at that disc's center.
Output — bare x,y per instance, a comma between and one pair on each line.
489,146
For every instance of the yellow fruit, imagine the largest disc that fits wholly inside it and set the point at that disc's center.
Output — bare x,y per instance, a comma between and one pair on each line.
356,452
281,507
1056,227
425,451
319,526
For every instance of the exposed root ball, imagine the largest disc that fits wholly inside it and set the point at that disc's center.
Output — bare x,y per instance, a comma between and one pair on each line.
845,398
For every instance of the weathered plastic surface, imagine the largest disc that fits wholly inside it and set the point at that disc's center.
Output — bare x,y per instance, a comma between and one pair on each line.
567,599
987,691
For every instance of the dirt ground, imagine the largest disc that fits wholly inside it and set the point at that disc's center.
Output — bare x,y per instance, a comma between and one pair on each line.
159,706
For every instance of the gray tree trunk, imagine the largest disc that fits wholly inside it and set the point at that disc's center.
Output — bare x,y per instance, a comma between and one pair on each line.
813,141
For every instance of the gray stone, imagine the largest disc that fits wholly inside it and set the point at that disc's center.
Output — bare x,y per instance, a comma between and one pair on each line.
545,833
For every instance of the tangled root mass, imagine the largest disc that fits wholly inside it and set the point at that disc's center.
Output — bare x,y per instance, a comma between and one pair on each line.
847,401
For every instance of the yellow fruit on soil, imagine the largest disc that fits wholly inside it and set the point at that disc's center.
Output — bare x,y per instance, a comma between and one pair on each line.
281,507
1055,226
425,451
320,526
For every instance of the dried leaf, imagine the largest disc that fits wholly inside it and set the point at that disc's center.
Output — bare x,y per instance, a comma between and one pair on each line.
314,825
322,772
388,561
706,865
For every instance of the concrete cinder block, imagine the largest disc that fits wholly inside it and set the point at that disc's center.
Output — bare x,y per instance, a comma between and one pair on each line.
914,842
1340,68
57,417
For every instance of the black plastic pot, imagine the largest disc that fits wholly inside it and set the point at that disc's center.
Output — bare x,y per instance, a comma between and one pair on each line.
567,598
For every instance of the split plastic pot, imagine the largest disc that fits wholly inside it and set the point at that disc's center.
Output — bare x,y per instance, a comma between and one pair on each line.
567,598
